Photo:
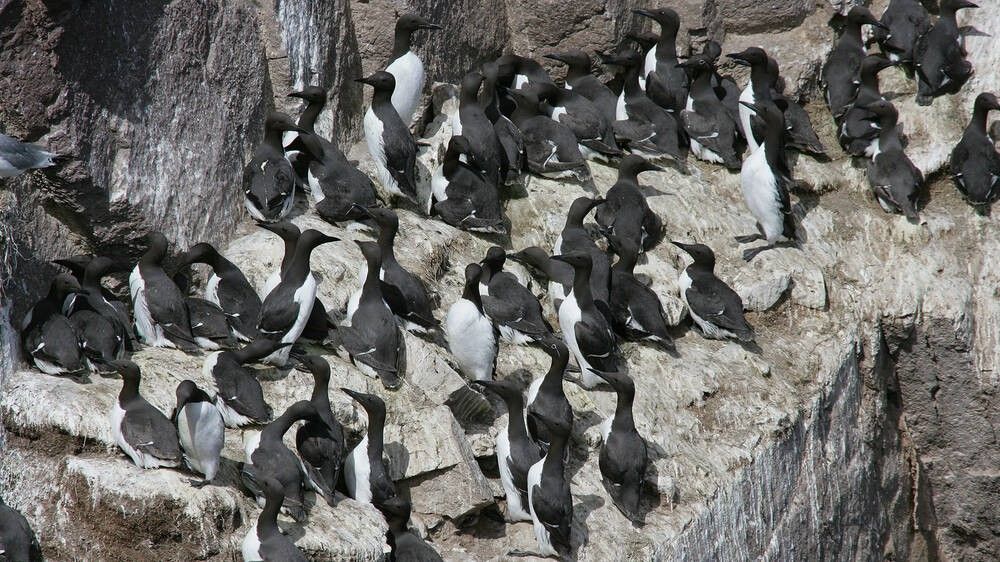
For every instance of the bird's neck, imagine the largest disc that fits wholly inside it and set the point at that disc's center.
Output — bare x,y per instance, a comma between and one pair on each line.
376,431
980,115
631,82
581,287
309,115
268,521
701,86
286,259
451,162
626,262
273,138
471,293
129,391
299,268
277,428
381,97
553,463
401,42
321,393
852,31
760,81
515,420
666,45
888,137
869,86
623,412
386,239
575,71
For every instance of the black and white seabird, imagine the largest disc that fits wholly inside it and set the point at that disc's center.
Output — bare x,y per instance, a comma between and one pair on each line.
662,59
765,180
840,73
17,157
516,451
286,309
317,327
636,311
404,292
939,55
238,394
511,306
335,183
389,139
373,339
551,148
710,128
715,307
545,397
472,338
229,288
559,275
549,497
511,140
893,177
905,21
472,123
18,542
112,335
209,324
268,179
975,162
50,338
265,541
624,458
593,130
200,430
268,456
580,79
625,217
406,545
516,72
365,473
763,88
142,431
757,91
320,442
646,128
858,129
161,315
584,326
406,66
97,339
576,238
462,195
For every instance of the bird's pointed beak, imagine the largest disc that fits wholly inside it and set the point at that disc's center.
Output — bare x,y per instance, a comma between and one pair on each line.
296,95
642,12
361,209
365,80
559,257
751,106
738,58
680,245
431,25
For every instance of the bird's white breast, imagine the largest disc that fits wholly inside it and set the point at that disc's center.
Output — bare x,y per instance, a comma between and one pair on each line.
471,340
408,70
761,194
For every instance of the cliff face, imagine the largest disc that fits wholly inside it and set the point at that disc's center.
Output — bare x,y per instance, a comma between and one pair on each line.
864,428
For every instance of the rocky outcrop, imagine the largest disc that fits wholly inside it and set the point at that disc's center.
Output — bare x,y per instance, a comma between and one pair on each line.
863,427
